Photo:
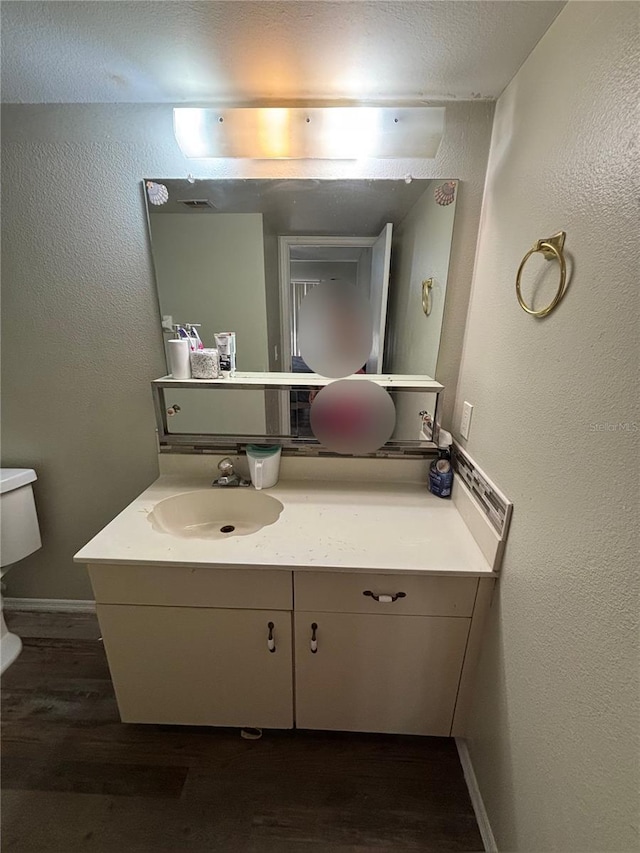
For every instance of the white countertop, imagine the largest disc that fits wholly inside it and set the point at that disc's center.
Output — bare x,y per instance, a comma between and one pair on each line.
330,526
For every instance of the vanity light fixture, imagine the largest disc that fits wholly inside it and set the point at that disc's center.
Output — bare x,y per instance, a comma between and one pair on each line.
318,133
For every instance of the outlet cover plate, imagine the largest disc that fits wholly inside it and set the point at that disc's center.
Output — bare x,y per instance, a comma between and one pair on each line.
465,420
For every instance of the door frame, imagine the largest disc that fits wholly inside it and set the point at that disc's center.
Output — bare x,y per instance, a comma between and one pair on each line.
284,258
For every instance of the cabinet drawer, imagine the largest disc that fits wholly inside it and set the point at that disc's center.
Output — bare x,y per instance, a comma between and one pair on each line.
192,587
334,592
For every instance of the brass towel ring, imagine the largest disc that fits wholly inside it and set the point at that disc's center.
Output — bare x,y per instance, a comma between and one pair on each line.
552,249
427,284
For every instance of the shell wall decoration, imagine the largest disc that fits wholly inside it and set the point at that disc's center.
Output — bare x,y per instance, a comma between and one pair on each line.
158,193
445,193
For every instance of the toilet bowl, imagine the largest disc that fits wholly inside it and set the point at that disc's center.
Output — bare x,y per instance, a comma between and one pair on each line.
19,537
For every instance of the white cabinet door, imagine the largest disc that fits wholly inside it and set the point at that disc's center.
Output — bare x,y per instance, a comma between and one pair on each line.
396,674
200,666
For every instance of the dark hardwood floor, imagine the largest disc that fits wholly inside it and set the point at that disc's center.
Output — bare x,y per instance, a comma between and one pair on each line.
76,779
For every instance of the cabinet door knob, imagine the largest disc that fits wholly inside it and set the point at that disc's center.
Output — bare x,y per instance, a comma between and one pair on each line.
313,645
271,643
385,599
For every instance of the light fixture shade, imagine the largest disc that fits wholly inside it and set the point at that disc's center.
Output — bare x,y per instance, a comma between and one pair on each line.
321,133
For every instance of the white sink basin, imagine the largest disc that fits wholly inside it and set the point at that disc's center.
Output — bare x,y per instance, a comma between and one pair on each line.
215,513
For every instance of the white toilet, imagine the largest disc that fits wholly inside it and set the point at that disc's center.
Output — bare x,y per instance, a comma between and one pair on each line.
19,537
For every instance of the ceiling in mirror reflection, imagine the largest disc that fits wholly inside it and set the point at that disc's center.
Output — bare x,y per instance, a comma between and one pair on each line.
321,207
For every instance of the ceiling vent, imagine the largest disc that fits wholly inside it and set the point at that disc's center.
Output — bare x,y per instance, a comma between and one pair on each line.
196,203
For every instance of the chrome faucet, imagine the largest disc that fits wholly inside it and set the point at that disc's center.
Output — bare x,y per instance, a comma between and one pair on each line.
228,476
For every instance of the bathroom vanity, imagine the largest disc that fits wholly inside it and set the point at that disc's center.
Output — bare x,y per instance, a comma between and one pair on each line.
359,609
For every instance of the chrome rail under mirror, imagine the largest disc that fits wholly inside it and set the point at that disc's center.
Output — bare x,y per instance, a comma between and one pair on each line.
278,410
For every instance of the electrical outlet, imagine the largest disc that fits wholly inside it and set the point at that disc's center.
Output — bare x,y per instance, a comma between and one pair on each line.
465,420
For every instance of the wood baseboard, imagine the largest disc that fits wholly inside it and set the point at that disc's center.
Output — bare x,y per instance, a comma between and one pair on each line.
476,797
50,605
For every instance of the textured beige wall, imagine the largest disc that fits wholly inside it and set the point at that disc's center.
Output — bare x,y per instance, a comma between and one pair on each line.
421,249
554,740
211,266
81,335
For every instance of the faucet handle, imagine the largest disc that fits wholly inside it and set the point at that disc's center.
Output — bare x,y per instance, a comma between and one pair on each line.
225,466
228,476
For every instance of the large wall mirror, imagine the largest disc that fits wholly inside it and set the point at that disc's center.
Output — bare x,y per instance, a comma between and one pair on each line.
242,255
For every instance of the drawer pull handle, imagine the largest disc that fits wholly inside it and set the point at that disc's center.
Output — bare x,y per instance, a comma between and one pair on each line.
385,599
313,645
271,643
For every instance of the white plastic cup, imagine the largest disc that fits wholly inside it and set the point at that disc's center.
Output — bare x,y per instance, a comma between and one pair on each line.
179,352
264,465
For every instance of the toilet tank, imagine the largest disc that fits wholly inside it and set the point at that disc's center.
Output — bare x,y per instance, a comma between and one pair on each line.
19,531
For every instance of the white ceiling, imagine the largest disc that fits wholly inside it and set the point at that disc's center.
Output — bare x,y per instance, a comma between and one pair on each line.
242,52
